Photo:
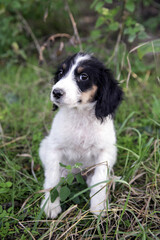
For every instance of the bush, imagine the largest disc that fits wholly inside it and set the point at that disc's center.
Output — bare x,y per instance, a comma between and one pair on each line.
14,35
129,21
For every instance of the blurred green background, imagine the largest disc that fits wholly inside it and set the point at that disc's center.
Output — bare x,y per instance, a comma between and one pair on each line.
101,25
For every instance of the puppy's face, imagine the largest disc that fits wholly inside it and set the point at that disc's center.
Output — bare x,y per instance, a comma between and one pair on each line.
75,82
81,80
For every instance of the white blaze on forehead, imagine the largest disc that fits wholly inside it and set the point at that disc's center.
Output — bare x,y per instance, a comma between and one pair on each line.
79,59
82,58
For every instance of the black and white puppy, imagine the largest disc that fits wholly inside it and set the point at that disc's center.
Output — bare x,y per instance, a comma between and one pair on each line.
83,130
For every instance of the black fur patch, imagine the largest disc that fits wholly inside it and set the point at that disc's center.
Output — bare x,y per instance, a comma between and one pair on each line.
109,94
68,64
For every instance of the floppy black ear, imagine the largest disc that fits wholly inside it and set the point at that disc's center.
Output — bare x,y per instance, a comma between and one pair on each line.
109,95
55,107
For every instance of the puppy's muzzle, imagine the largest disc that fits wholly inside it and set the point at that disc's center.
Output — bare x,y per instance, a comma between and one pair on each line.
58,93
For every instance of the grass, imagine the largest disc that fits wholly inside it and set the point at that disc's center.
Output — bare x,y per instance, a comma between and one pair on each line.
25,116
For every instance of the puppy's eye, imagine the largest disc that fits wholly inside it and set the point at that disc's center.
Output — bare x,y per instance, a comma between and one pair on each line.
84,77
60,73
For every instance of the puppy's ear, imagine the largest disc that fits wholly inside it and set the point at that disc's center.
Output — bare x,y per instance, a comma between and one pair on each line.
109,95
54,107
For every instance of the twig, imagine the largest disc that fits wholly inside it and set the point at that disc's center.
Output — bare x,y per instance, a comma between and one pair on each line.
155,59
32,170
72,226
129,73
1,133
117,42
32,163
13,141
64,214
25,202
129,64
87,170
49,40
74,26
73,39
26,230
21,226
136,177
29,30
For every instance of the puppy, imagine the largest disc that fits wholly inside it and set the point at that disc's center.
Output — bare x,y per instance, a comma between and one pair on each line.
82,131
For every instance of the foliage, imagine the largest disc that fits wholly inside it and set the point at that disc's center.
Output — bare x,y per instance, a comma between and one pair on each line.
69,189
14,35
123,16
121,20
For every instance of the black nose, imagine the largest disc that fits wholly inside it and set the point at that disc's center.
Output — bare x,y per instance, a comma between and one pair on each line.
58,93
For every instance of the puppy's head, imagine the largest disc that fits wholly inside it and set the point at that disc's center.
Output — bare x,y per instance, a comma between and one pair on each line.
82,80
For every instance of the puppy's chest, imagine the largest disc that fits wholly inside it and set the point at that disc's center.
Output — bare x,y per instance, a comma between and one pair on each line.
80,135
79,144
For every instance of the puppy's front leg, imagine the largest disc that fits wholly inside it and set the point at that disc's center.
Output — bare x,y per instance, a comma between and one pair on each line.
50,158
101,173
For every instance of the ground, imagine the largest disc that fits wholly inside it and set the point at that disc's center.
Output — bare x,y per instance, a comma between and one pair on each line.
25,118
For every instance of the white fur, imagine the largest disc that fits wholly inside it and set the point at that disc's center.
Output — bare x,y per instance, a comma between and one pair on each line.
77,135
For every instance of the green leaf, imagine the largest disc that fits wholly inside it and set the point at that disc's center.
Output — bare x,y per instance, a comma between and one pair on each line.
15,46
22,54
76,200
131,37
16,5
130,6
95,34
62,181
105,12
62,165
3,214
69,167
108,1
5,185
99,6
70,178
17,230
114,26
8,184
64,193
100,21
149,47
1,209
54,194
130,21
142,35
78,165
156,107
80,179
94,3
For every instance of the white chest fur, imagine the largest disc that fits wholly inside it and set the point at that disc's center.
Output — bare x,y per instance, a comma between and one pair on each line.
80,136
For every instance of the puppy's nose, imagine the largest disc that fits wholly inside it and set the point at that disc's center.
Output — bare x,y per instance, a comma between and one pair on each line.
58,93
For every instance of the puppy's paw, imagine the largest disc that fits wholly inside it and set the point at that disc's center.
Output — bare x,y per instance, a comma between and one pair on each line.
51,209
99,208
